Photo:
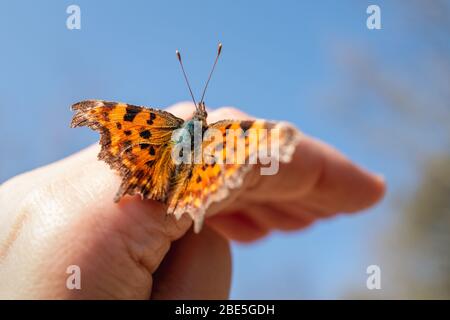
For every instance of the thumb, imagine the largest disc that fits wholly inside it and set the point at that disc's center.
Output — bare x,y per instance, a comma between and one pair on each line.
198,266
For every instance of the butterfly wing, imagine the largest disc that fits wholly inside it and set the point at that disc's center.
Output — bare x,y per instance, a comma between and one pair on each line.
135,140
199,185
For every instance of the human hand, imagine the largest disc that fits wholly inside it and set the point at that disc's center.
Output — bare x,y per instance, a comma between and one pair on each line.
63,214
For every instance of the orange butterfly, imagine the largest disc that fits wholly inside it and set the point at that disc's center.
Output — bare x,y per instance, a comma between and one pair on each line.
139,143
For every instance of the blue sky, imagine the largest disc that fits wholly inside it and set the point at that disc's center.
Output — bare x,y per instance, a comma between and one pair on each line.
278,62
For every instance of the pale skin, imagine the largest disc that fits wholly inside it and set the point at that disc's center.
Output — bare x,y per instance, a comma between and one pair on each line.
63,214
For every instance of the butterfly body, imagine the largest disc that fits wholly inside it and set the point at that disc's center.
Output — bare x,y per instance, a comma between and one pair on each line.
188,132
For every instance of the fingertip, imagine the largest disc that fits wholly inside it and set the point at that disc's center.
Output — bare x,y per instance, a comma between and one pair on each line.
376,188
370,189
380,188
381,180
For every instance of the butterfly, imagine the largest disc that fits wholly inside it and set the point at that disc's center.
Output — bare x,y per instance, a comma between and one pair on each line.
139,143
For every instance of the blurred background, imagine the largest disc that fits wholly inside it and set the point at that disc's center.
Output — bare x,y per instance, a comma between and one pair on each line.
380,96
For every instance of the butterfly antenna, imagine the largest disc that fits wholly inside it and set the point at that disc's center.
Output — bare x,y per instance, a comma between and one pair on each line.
219,49
185,77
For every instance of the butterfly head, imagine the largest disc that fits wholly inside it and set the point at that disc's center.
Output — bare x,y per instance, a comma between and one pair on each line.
200,113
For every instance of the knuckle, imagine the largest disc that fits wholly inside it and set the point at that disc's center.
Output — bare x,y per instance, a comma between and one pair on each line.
230,112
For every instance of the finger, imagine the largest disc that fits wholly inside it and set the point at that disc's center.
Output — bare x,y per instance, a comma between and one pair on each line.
317,172
254,221
198,266
343,186
320,175
272,216
237,226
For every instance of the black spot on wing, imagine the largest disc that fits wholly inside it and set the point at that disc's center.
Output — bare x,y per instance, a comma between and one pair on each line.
131,113
246,124
145,134
199,179
151,151
152,117
118,125
127,132
144,145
